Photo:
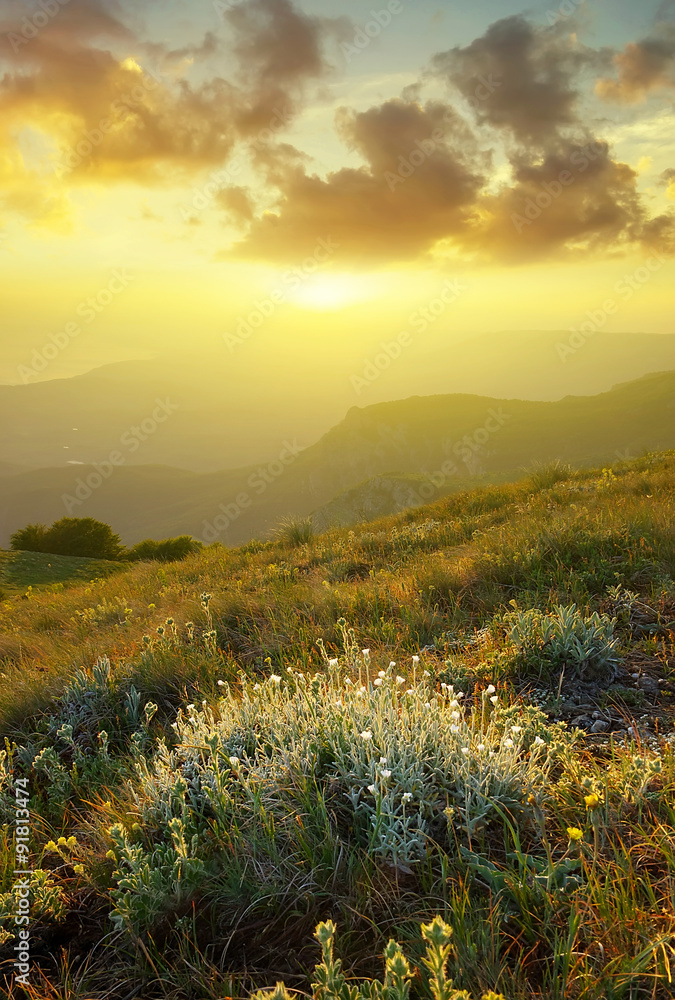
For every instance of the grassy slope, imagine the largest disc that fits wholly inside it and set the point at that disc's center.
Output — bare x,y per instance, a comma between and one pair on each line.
21,570
430,577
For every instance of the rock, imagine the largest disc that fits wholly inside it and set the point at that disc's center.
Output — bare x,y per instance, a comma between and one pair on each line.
648,685
600,726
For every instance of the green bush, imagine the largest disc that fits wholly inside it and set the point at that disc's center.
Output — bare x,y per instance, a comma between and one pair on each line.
32,538
167,550
71,536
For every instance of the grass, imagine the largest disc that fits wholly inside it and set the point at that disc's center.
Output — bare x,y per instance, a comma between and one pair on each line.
39,570
221,757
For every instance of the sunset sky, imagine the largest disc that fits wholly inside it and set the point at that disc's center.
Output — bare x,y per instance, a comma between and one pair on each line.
187,165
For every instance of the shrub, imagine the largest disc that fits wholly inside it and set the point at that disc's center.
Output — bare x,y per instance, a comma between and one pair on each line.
32,538
167,550
564,638
71,536
389,768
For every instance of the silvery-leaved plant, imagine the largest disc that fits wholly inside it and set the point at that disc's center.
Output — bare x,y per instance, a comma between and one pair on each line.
395,759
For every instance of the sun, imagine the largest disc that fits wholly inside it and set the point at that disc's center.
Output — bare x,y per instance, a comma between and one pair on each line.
331,291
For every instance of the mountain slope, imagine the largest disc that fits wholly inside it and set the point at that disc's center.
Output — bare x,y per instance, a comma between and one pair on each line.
448,441
216,421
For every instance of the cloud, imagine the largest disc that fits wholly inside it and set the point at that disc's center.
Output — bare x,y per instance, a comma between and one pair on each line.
279,50
419,183
668,179
575,201
642,68
530,74
416,196
80,82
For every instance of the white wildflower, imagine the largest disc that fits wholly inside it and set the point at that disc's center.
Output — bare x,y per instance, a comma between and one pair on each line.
333,663
494,699
381,673
454,729
383,760
406,797
372,789
508,743
490,689
465,751
234,761
366,734
400,680
516,729
416,659
221,684
538,742
275,678
385,773
427,674
377,682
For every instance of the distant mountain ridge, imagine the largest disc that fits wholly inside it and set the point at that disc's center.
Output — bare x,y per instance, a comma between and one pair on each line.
221,421
443,442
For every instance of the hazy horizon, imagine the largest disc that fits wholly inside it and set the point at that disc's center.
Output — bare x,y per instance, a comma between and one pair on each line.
270,184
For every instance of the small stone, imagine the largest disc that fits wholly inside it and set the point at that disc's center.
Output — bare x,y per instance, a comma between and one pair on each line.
599,726
596,715
648,685
635,676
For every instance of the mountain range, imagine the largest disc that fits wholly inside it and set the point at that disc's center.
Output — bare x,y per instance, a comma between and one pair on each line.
377,459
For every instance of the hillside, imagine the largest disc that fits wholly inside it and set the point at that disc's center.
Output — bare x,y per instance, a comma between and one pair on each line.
20,571
448,440
491,745
216,422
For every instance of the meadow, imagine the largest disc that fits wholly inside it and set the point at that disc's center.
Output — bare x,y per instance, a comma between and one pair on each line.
429,756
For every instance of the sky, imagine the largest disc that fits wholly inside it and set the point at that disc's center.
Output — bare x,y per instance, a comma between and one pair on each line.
300,178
